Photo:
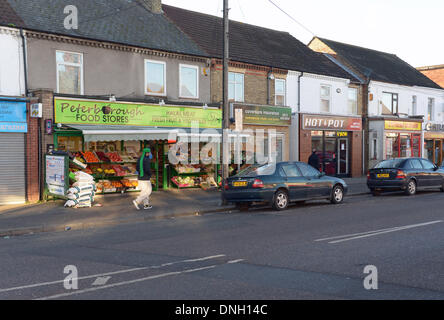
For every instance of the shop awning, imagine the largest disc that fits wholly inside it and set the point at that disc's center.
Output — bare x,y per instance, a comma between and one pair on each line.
124,133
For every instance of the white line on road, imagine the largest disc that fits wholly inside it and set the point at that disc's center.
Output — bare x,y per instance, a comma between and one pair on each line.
375,232
111,273
57,296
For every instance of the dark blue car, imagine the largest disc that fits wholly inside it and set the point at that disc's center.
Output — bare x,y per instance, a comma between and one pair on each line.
281,183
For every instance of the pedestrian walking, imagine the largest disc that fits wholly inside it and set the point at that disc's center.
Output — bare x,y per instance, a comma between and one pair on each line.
144,178
313,160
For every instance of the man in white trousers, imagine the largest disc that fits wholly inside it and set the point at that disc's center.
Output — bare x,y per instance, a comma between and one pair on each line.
144,169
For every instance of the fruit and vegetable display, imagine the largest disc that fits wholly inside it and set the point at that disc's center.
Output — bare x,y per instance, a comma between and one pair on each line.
90,157
114,157
102,156
187,168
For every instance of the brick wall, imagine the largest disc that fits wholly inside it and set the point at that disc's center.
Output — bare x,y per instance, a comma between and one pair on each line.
436,75
32,160
46,98
255,82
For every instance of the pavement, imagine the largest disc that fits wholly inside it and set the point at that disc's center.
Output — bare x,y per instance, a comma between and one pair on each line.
118,208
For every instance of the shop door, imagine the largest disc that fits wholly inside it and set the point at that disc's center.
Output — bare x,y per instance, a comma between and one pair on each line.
329,159
12,168
342,156
437,159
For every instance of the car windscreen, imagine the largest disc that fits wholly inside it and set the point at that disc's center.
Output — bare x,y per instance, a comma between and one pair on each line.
392,163
255,170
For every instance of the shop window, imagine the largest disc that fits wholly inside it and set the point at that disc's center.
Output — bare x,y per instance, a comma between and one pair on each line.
155,78
389,103
189,81
70,143
69,72
279,92
352,101
325,98
430,109
236,86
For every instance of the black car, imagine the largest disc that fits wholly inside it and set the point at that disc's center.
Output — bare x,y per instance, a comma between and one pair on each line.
281,183
406,174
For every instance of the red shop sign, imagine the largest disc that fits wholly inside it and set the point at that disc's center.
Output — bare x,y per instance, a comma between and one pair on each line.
318,122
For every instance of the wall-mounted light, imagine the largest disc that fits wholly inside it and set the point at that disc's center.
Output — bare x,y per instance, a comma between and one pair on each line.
270,75
112,98
161,102
338,90
205,106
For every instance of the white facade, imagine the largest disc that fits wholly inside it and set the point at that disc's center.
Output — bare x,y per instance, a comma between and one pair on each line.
11,63
310,88
406,96
310,100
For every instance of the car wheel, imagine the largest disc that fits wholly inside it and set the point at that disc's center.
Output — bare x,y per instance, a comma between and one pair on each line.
411,188
280,200
337,194
242,206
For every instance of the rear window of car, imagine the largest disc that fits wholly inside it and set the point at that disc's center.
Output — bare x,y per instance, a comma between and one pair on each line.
392,163
253,171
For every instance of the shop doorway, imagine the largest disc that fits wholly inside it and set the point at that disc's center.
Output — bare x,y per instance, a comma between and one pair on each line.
332,148
433,148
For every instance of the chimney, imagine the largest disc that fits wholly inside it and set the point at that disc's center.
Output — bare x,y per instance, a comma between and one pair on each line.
155,6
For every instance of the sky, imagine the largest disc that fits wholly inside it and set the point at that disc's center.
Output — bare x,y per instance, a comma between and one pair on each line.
411,29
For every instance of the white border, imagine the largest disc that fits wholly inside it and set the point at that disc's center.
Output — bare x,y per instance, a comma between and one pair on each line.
180,81
285,92
164,78
82,83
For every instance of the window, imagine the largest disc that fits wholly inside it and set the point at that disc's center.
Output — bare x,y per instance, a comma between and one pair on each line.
236,86
290,170
390,164
307,170
389,103
430,109
427,164
279,92
189,81
155,75
414,105
352,101
258,170
325,98
69,72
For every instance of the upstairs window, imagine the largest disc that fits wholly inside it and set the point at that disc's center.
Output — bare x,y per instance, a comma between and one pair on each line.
189,81
236,86
352,101
69,72
279,92
325,98
389,103
430,109
155,78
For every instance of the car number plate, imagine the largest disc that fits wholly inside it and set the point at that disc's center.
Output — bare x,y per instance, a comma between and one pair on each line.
240,183
383,175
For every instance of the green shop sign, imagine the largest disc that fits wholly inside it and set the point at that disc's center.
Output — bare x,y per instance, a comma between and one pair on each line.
265,115
131,114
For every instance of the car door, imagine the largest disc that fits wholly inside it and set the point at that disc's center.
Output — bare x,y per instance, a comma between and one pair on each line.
413,168
316,187
295,182
433,176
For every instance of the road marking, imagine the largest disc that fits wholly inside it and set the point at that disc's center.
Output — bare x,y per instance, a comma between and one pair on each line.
354,236
111,273
100,281
118,284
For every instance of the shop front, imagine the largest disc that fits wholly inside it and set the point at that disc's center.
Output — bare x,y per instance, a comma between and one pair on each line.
395,139
109,137
433,142
268,123
337,141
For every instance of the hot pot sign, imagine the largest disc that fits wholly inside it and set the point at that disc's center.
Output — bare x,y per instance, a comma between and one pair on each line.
108,113
310,122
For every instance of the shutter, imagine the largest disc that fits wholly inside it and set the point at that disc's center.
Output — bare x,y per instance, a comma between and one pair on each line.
12,168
